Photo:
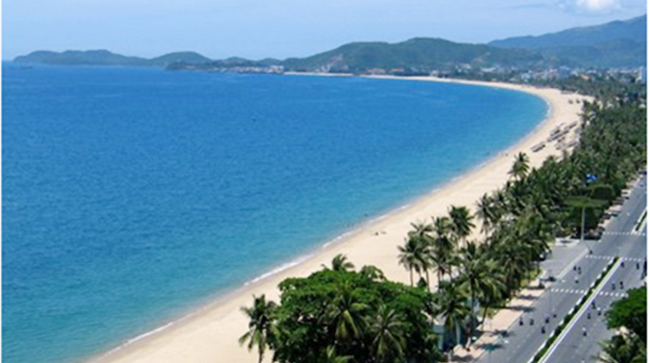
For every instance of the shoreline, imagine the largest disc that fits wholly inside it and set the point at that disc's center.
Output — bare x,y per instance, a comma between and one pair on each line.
209,333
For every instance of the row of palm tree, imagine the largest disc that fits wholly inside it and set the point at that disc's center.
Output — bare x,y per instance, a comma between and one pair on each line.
432,246
515,233
518,221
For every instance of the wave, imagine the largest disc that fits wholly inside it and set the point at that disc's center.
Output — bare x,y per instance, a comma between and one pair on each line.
283,267
139,337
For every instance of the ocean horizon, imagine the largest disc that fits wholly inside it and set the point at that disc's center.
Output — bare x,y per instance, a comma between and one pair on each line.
132,196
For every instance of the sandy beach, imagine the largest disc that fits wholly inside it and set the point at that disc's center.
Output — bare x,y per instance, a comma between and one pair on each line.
210,335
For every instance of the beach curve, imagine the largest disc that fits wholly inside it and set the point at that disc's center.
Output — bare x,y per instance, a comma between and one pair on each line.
210,333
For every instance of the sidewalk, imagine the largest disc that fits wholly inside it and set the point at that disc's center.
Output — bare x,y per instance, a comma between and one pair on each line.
498,324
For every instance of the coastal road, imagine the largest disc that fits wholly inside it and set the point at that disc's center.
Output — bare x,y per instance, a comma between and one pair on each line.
575,347
575,269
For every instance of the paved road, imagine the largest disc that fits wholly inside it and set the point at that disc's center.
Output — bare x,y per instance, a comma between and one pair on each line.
575,347
521,341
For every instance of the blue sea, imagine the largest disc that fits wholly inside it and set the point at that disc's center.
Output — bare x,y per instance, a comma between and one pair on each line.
132,196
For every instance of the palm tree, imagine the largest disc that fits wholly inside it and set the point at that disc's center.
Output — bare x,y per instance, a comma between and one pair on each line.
453,309
331,357
535,234
512,257
442,229
477,276
442,247
261,328
623,348
345,314
461,222
412,255
372,273
420,229
340,263
486,212
516,193
500,206
492,292
441,264
520,167
387,329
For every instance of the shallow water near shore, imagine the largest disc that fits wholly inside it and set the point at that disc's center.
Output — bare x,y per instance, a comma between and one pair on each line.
132,195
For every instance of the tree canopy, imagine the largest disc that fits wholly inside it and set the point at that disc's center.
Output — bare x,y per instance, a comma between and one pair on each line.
630,312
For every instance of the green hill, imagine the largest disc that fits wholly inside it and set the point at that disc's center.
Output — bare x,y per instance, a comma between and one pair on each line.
614,44
180,57
106,58
418,54
88,57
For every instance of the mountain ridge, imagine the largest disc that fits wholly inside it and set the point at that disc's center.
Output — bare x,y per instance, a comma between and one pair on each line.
107,58
580,36
620,43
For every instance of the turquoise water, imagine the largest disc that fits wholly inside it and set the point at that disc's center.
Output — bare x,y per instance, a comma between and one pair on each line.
132,195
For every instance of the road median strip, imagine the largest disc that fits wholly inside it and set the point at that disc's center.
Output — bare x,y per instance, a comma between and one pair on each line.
641,221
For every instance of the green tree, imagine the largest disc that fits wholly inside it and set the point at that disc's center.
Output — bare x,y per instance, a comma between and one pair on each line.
340,263
338,309
486,212
452,308
623,348
331,357
492,293
477,275
443,247
413,255
346,313
461,222
260,325
630,312
386,328
372,273
520,167
421,229
514,260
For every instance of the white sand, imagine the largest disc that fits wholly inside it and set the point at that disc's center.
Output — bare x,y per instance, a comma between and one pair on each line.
210,335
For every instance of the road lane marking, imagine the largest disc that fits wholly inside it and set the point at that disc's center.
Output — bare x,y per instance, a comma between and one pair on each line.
571,264
601,257
578,315
613,294
633,233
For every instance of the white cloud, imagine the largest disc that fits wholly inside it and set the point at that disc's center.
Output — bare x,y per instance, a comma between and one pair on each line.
598,5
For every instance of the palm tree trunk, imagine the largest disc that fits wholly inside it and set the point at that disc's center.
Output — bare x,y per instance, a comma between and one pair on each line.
411,271
472,317
485,313
428,281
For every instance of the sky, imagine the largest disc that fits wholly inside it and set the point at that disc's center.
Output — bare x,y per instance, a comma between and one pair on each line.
257,29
